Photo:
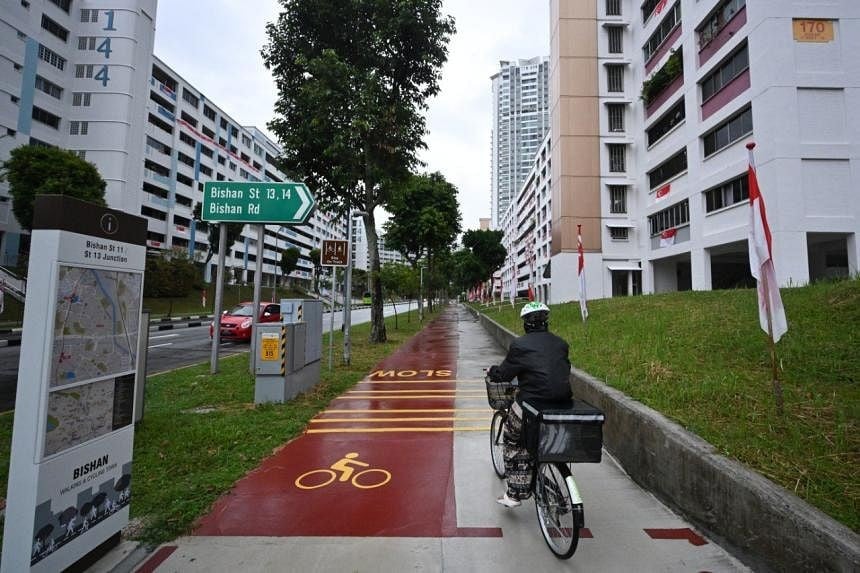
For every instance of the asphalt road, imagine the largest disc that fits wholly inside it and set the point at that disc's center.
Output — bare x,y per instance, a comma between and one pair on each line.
170,349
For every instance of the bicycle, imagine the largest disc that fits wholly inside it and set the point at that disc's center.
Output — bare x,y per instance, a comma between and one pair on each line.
557,500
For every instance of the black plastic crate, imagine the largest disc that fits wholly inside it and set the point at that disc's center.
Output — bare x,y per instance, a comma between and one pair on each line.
569,435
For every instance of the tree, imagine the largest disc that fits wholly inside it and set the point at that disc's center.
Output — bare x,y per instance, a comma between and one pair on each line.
234,231
36,170
353,80
425,220
289,262
398,280
315,255
488,252
171,273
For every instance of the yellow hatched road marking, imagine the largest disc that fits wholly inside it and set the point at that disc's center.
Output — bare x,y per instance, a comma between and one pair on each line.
423,419
400,391
385,430
408,410
407,397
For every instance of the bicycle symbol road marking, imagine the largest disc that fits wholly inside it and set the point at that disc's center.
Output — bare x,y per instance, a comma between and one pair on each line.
344,466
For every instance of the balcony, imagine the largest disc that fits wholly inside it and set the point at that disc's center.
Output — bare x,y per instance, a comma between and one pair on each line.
664,83
163,88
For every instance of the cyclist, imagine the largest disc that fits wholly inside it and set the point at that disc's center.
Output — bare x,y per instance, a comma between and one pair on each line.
539,361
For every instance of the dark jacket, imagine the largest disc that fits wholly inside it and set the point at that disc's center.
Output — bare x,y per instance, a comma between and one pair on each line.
539,362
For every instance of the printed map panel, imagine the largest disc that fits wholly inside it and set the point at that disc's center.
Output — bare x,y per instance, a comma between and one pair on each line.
78,415
95,324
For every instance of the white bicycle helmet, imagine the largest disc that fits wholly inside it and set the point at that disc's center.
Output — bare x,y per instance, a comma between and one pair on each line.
531,307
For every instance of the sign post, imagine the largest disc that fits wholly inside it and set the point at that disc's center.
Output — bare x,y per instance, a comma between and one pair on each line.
70,469
334,254
251,202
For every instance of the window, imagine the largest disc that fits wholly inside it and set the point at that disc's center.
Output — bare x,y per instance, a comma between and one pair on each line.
79,127
185,180
207,151
86,43
54,28
617,199
89,15
616,116
190,98
40,143
615,78
209,112
246,141
718,20
725,72
664,29
81,153
221,160
188,119
46,117
84,71
153,213
619,233
234,131
258,150
15,99
648,8
186,139
206,170
232,166
616,35
223,123
81,99
729,193
665,124
52,57
613,7
207,132
49,88
616,157
63,5
185,159
163,125
728,132
670,217
25,4
668,169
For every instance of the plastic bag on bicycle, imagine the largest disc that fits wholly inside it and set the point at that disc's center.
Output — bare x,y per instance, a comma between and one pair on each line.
564,435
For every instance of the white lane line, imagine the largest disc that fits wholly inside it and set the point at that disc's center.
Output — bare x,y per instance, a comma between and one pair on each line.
160,345
163,336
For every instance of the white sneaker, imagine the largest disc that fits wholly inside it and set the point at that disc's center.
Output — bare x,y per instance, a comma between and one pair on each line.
508,502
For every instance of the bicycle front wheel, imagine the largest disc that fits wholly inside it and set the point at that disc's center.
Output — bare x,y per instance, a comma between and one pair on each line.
559,508
497,446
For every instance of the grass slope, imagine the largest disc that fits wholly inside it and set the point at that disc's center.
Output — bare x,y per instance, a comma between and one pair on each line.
701,359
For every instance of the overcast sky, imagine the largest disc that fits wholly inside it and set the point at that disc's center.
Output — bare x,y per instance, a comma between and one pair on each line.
215,45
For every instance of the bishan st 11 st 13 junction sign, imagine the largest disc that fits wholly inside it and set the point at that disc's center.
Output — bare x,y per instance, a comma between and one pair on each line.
256,202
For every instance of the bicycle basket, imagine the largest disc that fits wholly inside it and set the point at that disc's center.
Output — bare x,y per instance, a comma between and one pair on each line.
564,435
500,395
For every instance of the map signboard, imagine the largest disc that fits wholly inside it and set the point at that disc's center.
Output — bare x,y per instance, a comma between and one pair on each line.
70,478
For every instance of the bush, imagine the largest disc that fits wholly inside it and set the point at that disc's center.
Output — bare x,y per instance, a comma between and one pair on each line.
673,67
170,274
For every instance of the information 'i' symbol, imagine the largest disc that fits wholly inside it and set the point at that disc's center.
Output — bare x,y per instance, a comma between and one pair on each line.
109,223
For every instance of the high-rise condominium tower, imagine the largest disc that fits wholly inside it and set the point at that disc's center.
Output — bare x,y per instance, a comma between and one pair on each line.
520,122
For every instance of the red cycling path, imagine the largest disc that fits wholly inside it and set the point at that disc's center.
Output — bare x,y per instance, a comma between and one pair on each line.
401,419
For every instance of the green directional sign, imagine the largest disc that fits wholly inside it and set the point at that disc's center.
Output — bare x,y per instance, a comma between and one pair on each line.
251,202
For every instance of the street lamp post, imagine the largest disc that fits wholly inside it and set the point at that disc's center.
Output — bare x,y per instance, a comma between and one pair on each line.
347,302
421,296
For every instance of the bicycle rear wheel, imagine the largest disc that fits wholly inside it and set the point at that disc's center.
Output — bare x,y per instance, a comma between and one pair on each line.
497,449
559,508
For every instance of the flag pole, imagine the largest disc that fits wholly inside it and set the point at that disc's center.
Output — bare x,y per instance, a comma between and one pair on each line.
775,383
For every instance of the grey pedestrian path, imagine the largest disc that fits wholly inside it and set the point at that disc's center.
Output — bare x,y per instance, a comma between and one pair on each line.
618,515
